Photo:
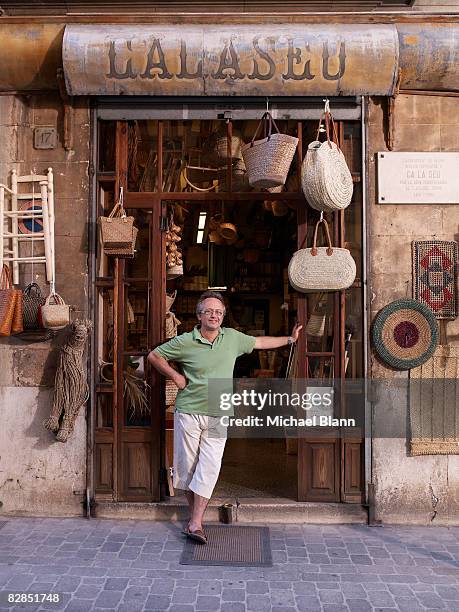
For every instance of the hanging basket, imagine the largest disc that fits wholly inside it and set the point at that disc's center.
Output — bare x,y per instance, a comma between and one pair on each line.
325,177
32,299
174,271
55,313
221,147
321,268
268,160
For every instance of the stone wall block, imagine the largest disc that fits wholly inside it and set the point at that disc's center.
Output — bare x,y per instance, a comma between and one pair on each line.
14,110
71,217
406,220
426,110
6,365
449,138
34,367
389,253
385,288
9,136
405,494
39,479
449,109
417,137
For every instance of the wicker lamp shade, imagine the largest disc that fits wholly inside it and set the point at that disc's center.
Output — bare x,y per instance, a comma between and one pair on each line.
405,334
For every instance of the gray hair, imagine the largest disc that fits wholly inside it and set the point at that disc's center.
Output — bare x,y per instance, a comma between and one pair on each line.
210,294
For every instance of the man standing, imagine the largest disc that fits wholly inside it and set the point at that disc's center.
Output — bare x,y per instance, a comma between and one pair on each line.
209,351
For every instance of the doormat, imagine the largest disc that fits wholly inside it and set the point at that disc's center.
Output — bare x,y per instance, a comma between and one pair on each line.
434,276
231,546
434,405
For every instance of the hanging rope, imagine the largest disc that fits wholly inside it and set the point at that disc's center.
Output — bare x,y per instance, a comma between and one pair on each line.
71,389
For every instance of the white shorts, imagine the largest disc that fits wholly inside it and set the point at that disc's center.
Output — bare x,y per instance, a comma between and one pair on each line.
199,442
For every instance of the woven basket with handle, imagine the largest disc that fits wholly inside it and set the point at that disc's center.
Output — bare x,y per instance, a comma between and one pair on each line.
55,313
116,229
325,178
8,298
321,268
268,160
31,301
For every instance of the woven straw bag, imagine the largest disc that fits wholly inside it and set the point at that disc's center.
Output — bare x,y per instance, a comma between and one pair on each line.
268,160
55,313
321,268
116,229
32,299
171,392
8,297
221,147
325,177
315,326
17,324
126,251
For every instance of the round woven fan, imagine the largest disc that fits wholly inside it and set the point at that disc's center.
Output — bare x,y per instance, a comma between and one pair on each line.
405,334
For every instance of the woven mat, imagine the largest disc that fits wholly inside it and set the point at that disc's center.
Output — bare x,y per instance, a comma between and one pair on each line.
435,265
434,404
230,545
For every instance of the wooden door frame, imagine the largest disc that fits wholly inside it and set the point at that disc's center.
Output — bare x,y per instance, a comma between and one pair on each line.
156,202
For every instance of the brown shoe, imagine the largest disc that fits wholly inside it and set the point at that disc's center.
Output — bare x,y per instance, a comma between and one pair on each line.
197,536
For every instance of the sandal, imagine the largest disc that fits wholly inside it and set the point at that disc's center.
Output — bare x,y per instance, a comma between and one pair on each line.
197,536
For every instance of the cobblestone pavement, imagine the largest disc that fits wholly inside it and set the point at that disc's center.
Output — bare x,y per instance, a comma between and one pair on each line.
134,565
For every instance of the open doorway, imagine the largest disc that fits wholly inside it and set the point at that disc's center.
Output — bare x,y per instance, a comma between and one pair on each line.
186,177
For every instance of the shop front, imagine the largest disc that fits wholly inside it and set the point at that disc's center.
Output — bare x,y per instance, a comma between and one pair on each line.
169,110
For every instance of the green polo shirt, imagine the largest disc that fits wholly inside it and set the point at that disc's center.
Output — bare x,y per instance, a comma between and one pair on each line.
202,360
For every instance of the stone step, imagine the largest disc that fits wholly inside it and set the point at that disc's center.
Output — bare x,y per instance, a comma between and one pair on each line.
245,510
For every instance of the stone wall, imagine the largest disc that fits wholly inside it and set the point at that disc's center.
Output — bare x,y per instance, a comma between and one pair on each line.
37,474
408,489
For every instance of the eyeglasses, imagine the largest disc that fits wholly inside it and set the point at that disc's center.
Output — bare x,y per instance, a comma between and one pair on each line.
209,311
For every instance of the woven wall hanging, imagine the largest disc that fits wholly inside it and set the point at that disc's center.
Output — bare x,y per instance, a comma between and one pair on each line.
405,334
434,404
435,276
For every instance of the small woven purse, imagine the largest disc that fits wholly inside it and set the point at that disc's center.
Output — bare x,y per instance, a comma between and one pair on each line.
55,313
321,268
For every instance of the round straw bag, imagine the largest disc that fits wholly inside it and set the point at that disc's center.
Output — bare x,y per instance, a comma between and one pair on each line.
325,177
405,334
268,160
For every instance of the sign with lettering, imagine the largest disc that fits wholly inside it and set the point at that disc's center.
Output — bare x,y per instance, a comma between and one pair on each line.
418,178
277,60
